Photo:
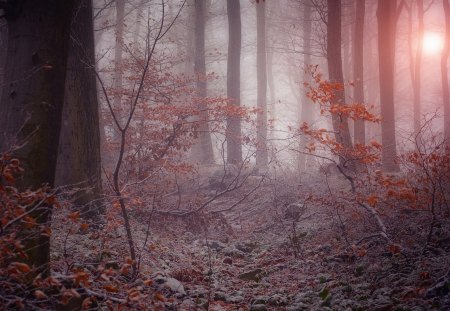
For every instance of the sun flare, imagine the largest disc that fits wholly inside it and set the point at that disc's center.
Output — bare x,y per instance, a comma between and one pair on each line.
432,43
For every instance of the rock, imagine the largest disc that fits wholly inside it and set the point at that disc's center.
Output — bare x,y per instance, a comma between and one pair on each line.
294,211
326,248
233,252
235,298
220,296
254,275
298,307
216,245
260,300
162,280
228,261
246,247
112,265
198,293
175,286
258,307
382,303
277,300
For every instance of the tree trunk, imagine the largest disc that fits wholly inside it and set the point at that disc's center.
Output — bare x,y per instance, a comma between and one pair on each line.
386,15
234,147
444,74
32,102
358,69
261,122
306,104
418,66
79,142
118,51
203,150
3,50
334,59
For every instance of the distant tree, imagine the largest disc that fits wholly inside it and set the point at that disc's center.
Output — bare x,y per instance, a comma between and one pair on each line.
444,73
387,18
118,49
203,150
334,60
79,142
234,147
261,130
32,102
359,132
307,108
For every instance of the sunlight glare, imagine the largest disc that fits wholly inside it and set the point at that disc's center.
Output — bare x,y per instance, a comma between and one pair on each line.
432,43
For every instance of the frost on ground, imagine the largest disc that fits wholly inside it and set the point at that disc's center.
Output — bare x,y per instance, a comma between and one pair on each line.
288,246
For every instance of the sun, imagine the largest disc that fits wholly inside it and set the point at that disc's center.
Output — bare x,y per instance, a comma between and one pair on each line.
432,43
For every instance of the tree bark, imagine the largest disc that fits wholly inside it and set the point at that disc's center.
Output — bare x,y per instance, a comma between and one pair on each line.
386,14
234,146
358,69
334,59
32,102
261,122
203,150
306,104
444,74
418,66
79,162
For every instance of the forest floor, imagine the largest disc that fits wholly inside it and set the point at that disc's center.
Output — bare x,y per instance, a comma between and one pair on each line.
257,256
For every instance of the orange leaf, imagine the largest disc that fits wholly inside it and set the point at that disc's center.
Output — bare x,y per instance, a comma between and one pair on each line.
22,267
111,288
74,216
159,297
84,226
40,294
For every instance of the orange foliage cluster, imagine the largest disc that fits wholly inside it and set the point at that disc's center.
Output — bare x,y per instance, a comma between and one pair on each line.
15,209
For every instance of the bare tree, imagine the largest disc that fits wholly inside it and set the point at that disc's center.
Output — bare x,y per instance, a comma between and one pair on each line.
234,146
358,68
387,13
334,59
203,150
261,130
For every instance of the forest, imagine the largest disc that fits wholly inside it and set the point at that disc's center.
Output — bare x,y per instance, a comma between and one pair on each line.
225,155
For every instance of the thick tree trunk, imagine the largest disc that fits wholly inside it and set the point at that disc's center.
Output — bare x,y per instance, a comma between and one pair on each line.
386,15
203,150
3,50
444,74
32,102
334,59
79,142
234,147
358,69
261,122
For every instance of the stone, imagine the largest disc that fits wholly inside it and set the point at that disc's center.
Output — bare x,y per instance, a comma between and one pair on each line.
235,299
277,300
258,307
260,300
216,245
220,296
254,275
